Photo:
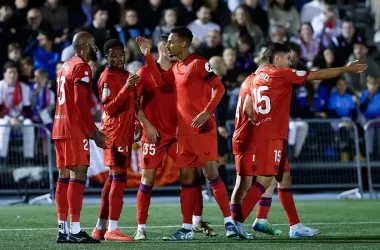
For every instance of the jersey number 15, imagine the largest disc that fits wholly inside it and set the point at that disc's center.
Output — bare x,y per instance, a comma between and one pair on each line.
257,93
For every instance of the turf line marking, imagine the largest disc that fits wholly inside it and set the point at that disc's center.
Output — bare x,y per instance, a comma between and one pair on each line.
178,226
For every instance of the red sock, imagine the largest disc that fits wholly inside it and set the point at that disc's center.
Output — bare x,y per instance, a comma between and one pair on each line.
116,196
75,198
143,202
285,196
188,197
198,208
263,209
61,198
252,197
236,212
104,204
221,196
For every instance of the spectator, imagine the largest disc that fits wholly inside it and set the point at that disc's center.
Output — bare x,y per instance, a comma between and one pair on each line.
357,83
370,99
42,102
325,61
342,104
229,57
310,47
295,58
116,11
278,34
152,13
186,11
244,54
311,10
45,55
56,14
326,25
99,29
14,52
168,22
257,13
260,54
15,110
343,45
202,25
95,104
241,24
283,12
86,7
26,68
35,23
132,27
131,65
212,46
220,13
8,30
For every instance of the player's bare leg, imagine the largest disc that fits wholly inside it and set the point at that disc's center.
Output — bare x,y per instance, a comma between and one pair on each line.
190,179
115,199
143,201
261,223
62,204
101,225
78,177
285,195
210,171
242,185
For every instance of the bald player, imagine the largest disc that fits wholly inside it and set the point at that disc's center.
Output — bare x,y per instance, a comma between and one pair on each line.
72,130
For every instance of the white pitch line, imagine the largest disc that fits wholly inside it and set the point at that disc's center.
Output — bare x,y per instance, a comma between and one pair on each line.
178,226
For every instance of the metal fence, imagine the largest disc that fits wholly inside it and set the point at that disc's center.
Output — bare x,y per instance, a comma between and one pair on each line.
323,154
26,161
372,139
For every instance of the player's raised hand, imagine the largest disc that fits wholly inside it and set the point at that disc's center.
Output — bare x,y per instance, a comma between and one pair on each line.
99,138
151,133
200,119
143,44
356,67
132,81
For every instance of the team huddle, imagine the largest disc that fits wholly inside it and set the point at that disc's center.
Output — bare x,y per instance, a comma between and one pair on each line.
174,99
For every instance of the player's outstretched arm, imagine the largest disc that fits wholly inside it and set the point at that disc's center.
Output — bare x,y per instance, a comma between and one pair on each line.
159,78
112,105
351,67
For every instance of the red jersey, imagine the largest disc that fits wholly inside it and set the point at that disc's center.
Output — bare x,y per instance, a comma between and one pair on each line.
193,79
67,119
118,108
271,92
243,136
158,104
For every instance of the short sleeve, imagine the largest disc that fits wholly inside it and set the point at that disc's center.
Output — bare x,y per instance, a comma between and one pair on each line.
204,70
352,103
82,74
332,103
292,76
363,96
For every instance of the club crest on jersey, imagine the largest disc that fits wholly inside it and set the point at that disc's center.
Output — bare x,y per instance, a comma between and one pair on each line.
208,67
85,79
106,91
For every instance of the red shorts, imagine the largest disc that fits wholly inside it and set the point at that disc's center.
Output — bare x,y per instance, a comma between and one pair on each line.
117,157
195,150
72,152
245,163
152,154
271,157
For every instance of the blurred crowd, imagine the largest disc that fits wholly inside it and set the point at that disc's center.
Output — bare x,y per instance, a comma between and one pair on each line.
35,38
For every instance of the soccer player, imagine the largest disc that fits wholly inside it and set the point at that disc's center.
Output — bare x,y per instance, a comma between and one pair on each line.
72,129
194,81
158,114
244,152
271,91
117,94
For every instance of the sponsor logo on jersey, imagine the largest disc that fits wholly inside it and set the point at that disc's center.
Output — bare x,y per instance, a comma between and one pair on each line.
106,91
208,67
85,79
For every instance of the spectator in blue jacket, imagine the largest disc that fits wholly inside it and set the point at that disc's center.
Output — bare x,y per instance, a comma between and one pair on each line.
370,99
45,55
341,103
